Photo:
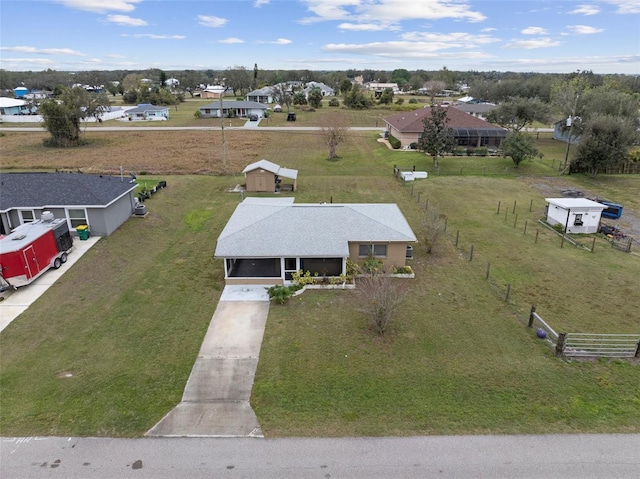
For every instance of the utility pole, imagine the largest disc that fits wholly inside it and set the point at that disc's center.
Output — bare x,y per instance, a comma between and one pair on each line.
570,122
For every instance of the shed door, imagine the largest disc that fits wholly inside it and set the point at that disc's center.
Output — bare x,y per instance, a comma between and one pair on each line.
31,261
262,183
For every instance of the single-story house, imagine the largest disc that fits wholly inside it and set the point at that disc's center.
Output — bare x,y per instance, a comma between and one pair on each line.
266,240
468,130
212,91
99,201
148,112
576,215
324,89
479,110
14,106
262,95
242,109
379,87
264,175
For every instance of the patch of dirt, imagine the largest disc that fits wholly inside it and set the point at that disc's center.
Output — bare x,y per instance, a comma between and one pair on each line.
553,187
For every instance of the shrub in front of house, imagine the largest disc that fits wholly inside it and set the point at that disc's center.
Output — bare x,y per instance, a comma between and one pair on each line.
481,151
394,142
334,102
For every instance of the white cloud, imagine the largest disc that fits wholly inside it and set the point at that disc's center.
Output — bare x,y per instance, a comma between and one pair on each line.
126,20
586,10
401,49
368,27
101,6
450,40
625,6
154,36
584,29
280,41
21,62
543,42
534,31
44,51
488,30
373,11
231,40
211,21
259,3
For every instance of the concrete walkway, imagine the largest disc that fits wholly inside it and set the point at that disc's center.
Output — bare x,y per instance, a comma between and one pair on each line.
21,299
215,402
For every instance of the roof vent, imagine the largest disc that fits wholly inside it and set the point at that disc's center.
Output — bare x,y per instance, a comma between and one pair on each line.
47,216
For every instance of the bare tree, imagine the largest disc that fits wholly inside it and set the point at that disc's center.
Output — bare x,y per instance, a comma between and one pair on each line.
432,229
434,86
334,129
282,95
379,297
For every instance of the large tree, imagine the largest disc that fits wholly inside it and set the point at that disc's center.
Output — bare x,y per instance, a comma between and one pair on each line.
63,115
437,138
282,95
517,113
315,97
238,79
519,146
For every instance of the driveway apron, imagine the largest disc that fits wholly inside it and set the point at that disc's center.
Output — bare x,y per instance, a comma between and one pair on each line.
215,402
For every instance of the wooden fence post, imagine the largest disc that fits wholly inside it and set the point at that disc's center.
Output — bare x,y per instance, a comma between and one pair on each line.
560,344
471,254
457,236
506,296
498,208
530,206
637,355
426,204
525,227
515,221
486,276
514,206
537,231
593,244
418,197
532,315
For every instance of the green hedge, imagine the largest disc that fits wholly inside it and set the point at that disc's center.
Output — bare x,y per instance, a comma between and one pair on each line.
394,142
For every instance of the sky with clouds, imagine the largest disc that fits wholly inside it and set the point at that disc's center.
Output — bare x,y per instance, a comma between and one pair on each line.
503,35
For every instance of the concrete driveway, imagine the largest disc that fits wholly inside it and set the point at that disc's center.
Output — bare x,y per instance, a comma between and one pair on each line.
215,402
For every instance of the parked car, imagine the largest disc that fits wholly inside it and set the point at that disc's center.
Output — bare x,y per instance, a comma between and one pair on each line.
253,117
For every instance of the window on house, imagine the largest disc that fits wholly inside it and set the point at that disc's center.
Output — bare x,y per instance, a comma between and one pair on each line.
77,217
27,216
578,220
373,249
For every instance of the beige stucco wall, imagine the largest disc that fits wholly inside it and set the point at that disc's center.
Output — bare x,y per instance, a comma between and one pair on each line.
260,180
396,255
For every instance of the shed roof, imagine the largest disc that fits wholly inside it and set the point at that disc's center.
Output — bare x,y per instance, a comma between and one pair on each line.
273,168
266,228
411,121
571,203
6,102
46,190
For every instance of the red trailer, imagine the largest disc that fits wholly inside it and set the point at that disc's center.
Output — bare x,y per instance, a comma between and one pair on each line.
33,248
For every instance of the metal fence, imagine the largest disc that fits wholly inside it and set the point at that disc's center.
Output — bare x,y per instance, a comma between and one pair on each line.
587,345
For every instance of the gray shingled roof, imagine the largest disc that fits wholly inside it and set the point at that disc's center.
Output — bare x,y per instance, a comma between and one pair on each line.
145,108
265,228
39,190
226,104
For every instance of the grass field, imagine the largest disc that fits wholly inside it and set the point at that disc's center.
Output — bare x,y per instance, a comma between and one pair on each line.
127,320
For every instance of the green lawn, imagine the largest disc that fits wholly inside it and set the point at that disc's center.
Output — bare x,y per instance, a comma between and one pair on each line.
127,320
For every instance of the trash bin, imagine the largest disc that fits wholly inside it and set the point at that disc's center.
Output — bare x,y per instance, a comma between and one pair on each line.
83,232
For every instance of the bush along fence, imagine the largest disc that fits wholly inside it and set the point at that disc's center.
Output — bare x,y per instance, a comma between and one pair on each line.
586,345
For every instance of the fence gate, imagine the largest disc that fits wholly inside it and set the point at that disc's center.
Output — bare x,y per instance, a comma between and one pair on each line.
600,345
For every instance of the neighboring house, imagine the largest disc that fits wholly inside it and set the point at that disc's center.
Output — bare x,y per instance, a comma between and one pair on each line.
324,89
266,176
13,106
379,87
38,95
212,91
266,240
262,95
242,109
576,215
479,110
468,130
467,99
101,202
172,82
148,112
